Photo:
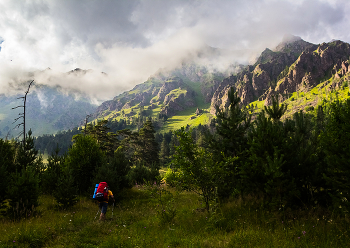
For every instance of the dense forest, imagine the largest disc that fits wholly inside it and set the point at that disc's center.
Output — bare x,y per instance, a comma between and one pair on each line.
291,164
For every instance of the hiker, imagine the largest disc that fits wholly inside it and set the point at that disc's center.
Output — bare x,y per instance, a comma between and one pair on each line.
103,205
102,194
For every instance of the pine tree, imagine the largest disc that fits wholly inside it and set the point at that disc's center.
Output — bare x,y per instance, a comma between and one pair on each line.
164,152
232,125
147,149
83,158
275,112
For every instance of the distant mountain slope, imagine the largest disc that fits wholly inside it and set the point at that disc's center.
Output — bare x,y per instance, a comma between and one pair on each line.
254,81
165,94
295,66
180,95
48,110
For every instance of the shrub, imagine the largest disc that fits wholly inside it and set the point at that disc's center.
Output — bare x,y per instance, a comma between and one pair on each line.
66,192
141,173
23,192
172,177
309,108
115,172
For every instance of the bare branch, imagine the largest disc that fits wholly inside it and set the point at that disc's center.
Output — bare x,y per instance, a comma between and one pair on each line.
18,107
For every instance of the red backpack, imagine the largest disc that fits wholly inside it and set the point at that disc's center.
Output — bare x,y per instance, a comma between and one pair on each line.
102,192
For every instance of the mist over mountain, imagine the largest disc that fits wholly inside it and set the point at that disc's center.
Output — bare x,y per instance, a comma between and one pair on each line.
131,40
48,110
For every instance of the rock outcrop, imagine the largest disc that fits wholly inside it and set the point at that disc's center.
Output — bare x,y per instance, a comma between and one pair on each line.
294,65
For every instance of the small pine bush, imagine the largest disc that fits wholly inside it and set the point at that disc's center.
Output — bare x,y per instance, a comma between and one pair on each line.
66,191
23,193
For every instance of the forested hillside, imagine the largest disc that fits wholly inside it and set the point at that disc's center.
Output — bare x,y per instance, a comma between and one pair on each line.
49,110
302,74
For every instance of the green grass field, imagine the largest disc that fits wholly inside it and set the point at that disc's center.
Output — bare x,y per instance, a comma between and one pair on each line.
308,101
137,221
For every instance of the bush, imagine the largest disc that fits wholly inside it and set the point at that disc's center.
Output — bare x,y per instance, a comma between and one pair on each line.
114,171
50,176
309,108
7,157
172,177
83,158
141,173
23,193
66,192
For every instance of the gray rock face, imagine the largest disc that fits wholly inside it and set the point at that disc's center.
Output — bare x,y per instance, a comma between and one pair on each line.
312,66
295,64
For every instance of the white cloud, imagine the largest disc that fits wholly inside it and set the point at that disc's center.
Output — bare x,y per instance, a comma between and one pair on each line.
130,40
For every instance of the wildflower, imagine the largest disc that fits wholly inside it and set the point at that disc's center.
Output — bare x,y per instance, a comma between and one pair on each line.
304,232
14,241
298,237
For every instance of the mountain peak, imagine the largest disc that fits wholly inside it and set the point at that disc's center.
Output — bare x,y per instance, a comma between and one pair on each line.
292,43
289,38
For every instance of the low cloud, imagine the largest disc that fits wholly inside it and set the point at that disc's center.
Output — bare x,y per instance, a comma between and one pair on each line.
131,40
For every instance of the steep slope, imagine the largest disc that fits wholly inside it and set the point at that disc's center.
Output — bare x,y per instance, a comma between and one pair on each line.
293,64
191,91
312,67
166,94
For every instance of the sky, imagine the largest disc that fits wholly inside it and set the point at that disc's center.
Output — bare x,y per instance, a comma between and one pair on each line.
130,40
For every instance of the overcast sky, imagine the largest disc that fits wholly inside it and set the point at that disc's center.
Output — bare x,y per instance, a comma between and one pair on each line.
131,39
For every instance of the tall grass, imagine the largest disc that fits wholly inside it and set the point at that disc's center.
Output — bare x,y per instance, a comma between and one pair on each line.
137,222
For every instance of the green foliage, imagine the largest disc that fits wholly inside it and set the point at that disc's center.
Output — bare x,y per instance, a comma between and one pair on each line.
83,158
136,223
27,155
107,140
165,200
52,173
146,151
23,192
199,171
114,171
66,193
231,143
336,144
140,174
7,166
232,124
282,164
275,112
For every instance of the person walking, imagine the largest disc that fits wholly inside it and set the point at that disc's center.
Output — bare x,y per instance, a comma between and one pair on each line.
102,194
104,205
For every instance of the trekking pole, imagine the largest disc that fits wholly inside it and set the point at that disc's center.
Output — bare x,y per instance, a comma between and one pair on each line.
97,213
112,209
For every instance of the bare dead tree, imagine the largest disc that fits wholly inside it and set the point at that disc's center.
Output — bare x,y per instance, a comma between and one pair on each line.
23,115
86,120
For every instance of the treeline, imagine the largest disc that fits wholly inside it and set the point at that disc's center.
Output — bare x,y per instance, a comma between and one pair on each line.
300,162
47,143
296,163
122,159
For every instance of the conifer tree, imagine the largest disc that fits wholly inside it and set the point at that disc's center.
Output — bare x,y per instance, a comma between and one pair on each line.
275,112
164,152
83,158
232,125
147,150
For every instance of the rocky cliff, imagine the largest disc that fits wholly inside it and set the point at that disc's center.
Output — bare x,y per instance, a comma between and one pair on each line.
294,65
173,91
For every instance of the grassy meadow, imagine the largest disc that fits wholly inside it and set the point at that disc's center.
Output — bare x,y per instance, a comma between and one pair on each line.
139,220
